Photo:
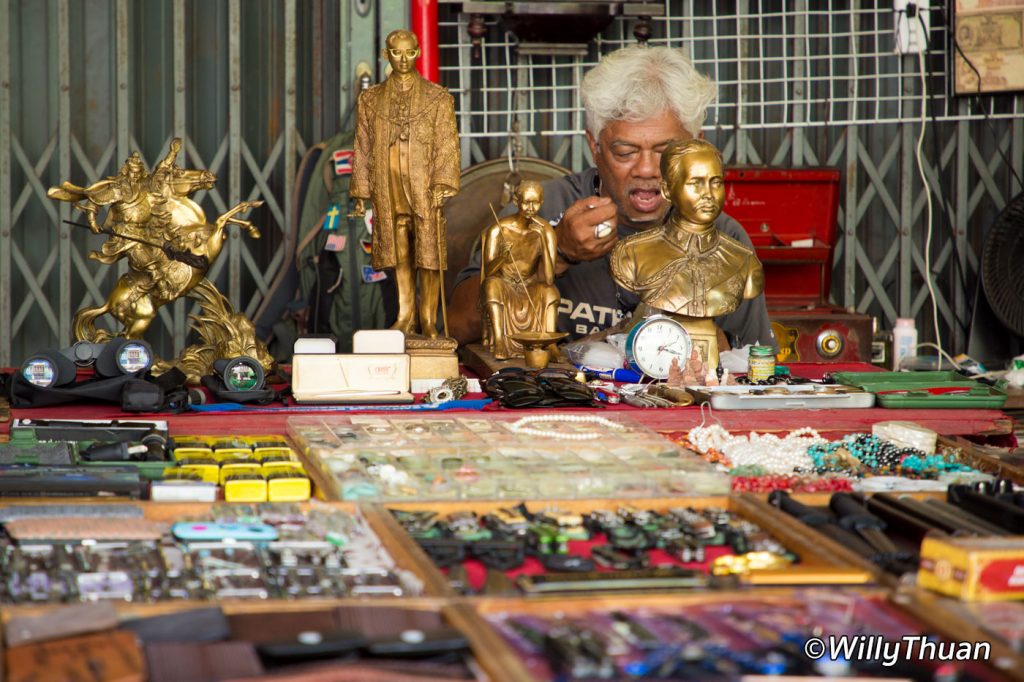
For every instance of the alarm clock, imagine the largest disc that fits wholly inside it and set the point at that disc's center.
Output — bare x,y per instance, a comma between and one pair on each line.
651,345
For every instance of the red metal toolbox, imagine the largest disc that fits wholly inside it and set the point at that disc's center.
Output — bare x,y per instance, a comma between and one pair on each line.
790,215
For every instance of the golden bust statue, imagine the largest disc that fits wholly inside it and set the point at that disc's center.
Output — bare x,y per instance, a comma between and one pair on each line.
407,164
517,290
687,268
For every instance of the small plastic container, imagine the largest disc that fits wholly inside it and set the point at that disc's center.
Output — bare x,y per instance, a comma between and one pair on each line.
904,340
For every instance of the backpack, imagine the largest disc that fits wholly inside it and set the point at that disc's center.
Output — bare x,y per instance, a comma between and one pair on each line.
339,292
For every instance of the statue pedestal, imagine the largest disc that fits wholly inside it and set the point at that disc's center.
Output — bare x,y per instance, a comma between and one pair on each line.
432,358
482,362
476,357
704,334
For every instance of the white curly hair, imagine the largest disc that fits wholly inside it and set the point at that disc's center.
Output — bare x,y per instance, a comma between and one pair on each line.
637,82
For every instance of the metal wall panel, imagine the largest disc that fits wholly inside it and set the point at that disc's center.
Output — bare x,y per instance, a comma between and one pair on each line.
249,85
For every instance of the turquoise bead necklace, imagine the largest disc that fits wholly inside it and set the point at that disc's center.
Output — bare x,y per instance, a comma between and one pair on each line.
874,455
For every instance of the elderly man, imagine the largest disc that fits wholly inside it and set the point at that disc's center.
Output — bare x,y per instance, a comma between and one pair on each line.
407,163
637,100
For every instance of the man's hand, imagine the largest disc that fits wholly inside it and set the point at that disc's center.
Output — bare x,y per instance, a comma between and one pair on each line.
440,194
359,210
577,230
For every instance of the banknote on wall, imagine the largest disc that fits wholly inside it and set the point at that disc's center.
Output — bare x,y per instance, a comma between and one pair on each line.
989,48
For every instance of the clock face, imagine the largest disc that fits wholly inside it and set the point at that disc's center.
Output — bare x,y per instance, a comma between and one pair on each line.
655,342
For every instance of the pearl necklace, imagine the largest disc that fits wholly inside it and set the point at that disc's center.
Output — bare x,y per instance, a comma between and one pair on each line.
708,437
773,454
524,426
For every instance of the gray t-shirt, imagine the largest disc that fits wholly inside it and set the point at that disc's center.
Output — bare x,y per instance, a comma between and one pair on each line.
592,301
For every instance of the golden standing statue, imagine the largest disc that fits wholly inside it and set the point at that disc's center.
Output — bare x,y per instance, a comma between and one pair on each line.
517,291
407,164
170,247
687,268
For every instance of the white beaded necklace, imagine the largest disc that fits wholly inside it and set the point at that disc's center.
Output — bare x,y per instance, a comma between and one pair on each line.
773,454
524,426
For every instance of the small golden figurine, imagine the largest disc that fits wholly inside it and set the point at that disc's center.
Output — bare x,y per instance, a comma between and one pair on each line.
517,290
170,247
407,164
687,268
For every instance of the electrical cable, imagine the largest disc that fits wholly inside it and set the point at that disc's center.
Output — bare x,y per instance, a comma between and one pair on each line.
928,344
970,64
977,100
314,260
993,374
337,283
944,197
911,11
995,138
946,191
928,203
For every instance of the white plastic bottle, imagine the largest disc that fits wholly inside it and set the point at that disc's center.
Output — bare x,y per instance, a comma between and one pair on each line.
904,340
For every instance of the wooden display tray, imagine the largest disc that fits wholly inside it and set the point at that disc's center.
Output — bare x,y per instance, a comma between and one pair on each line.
482,638
924,606
325,485
983,461
496,658
407,554
914,602
822,560
234,606
971,455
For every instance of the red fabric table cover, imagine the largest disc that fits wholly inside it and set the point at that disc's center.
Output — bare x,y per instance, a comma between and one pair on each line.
832,423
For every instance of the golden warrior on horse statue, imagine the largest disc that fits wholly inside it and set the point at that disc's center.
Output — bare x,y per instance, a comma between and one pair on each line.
170,246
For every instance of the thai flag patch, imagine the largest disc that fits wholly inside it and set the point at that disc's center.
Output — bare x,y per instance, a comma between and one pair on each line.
343,161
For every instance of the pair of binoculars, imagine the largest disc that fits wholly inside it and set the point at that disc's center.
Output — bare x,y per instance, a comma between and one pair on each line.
59,367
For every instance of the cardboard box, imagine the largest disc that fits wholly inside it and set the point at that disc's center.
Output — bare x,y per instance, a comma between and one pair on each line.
974,569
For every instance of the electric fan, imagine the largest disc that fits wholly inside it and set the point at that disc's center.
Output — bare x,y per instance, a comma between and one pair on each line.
1002,266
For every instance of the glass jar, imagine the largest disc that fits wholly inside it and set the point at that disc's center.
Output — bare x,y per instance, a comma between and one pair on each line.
760,363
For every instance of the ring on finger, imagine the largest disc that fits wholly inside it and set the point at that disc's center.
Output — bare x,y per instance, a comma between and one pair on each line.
602,229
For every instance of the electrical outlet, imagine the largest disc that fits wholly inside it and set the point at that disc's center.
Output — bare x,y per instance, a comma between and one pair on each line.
911,36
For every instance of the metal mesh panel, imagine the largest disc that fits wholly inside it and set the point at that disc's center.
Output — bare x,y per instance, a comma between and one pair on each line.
776,65
799,83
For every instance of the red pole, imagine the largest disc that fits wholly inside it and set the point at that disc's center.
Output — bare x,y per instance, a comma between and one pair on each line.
424,25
